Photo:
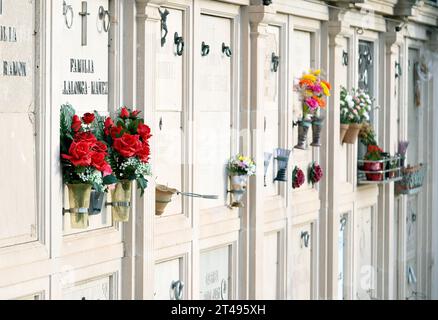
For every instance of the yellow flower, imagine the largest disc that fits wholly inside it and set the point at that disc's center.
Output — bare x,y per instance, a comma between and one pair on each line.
310,77
317,72
309,93
325,89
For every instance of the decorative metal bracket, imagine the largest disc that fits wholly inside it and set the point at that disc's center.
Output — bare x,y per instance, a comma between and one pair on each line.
275,60
226,50
105,17
344,58
67,11
305,237
267,2
163,15
118,204
205,49
179,43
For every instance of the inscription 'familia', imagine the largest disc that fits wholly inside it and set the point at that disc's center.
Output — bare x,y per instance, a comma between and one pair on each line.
81,66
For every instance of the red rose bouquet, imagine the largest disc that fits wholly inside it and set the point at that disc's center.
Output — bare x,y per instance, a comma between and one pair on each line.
83,155
315,173
297,178
128,137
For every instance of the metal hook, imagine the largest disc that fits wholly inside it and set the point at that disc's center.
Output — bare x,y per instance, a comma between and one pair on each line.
305,237
344,58
177,287
275,60
67,9
179,42
104,16
343,223
205,49
226,50
398,70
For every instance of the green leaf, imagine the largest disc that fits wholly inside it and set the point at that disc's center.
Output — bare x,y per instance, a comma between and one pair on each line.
110,179
142,184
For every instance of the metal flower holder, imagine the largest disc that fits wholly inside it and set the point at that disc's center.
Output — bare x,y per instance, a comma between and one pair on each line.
282,157
379,171
96,202
267,160
412,179
164,194
317,123
238,189
303,128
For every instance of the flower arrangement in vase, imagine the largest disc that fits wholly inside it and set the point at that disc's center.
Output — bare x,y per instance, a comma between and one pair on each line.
313,91
315,173
355,109
129,154
297,177
83,162
239,169
372,157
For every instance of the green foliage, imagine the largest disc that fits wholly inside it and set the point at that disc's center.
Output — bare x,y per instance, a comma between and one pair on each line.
66,115
142,184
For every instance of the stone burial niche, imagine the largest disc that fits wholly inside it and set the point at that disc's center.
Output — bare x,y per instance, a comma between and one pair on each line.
18,130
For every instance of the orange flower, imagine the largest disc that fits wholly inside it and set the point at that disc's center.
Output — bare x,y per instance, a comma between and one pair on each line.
305,82
327,84
320,101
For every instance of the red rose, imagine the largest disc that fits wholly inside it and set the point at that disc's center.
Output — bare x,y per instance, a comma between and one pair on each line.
76,123
79,153
88,118
115,131
98,161
127,145
298,178
85,136
144,152
135,113
144,131
100,147
124,113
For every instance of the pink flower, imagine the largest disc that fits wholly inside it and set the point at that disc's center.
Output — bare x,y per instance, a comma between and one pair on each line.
312,104
316,88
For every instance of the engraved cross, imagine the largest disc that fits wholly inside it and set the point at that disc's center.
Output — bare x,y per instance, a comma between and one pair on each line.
84,15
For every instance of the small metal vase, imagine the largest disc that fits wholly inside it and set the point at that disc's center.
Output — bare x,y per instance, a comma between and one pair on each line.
238,189
316,131
303,128
96,202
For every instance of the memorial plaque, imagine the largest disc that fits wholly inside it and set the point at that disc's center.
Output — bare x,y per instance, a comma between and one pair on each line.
81,55
169,136
166,273
215,278
365,271
95,289
17,123
214,109
80,71
302,263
